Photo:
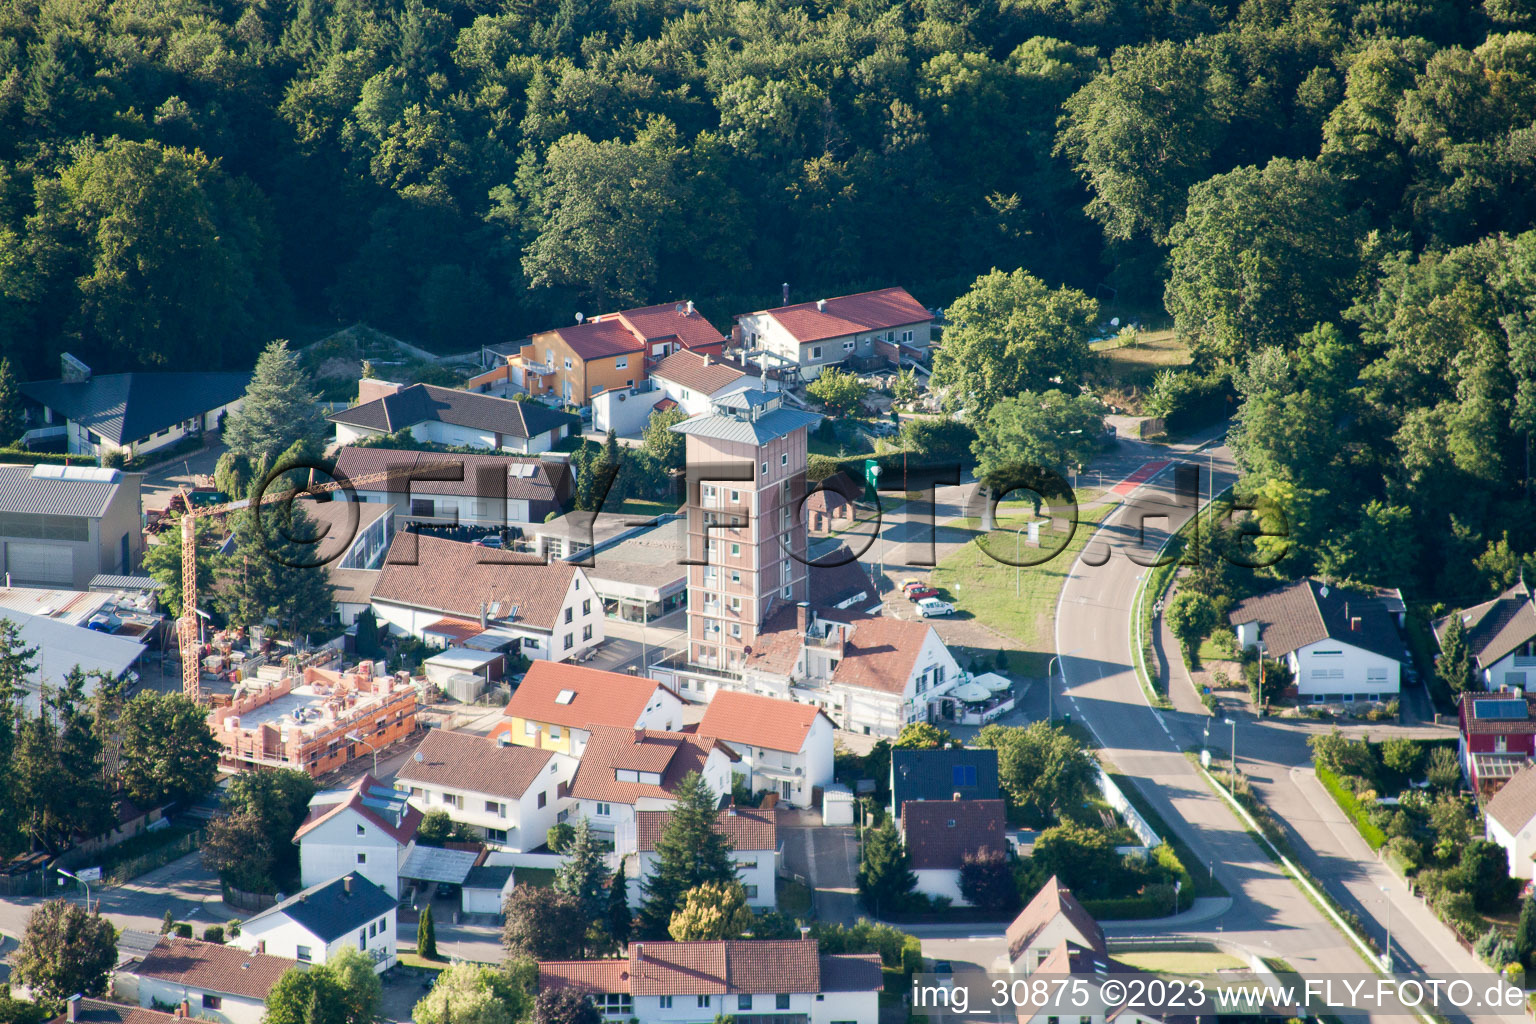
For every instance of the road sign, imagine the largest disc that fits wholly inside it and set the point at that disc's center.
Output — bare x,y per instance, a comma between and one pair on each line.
89,874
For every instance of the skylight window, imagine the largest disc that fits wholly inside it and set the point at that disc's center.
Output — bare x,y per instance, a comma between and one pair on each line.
565,696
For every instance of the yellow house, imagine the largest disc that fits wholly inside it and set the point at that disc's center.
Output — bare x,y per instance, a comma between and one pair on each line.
611,350
556,705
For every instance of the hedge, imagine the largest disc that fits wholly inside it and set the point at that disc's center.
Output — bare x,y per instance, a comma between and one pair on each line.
31,458
1352,808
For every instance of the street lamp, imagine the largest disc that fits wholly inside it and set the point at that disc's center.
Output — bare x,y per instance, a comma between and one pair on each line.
71,874
1016,572
1050,682
1386,954
1233,776
358,738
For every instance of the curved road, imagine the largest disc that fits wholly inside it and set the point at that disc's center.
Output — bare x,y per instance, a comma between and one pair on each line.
1269,914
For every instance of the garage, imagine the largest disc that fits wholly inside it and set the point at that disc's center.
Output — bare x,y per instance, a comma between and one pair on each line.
31,562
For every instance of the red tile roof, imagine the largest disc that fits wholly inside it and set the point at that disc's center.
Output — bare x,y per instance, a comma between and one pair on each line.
748,828
700,371
737,967
749,720
1052,901
636,330
670,754
1493,719
461,760
597,697
400,831
448,577
939,833
879,652
211,967
850,314
99,1011
456,629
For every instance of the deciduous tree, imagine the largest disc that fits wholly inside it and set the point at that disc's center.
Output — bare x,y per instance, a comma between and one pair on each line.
168,751
543,923
712,911
65,950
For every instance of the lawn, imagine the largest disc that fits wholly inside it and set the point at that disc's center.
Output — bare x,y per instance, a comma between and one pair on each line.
541,878
1019,603
794,898
1137,365
1181,961
641,507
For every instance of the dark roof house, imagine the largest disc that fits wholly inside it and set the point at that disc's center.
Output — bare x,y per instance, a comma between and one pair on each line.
131,408
1497,628
940,834
969,773
331,909
510,424
1308,611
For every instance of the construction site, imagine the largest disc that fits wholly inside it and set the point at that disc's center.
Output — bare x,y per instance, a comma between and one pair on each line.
313,720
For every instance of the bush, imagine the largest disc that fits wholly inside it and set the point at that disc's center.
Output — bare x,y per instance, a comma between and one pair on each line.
182,930
1186,399
214,933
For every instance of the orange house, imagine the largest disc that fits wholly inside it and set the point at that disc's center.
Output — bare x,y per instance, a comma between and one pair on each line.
612,350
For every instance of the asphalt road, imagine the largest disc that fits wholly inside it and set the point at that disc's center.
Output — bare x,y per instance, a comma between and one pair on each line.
1269,915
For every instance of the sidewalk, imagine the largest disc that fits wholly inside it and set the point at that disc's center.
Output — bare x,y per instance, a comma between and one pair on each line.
1205,908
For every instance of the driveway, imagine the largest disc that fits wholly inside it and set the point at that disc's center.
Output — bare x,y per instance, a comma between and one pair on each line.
187,471
826,857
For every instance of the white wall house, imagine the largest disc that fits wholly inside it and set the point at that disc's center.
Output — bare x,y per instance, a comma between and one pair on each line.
627,770
1052,917
785,747
1341,645
940,834
315,925
557,706
216,982
826,332
551,610
448,416
754,839
1501,635
509,794
693,982
1510,821
366,828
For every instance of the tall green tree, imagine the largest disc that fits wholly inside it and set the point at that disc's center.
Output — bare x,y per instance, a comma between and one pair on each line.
469,993
620,919
17,663
1455,666
273,577
11,423
162,560
583,876
168,751
1011,333
426,934
690,852
278,409
712,912
1045,772
65,950
885,879
57,771
1049,430
543,924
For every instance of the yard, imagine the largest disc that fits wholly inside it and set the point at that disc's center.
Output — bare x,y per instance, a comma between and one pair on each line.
1017,602
1181,961
1136,365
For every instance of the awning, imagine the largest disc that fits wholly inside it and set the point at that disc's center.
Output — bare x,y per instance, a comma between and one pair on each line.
993,682
971,693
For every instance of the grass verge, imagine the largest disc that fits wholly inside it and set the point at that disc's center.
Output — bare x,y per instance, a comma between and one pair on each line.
1018,602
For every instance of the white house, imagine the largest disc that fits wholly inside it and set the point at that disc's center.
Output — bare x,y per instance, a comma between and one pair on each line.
316,924
1501,635
367,828
1078,975
510,794
627,770
216,982
1510,820
1054,916
490,490
448,416
688,982
785,747
881,326
549,609
754,836
695,381
557,706
1342,645
132,413
940,834
870,674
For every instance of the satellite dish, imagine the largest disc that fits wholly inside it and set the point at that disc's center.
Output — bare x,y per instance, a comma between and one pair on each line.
1115,322
417,757
579,318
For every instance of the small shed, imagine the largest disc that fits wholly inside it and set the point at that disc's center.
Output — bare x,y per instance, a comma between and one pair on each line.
484,666
837,805
486,888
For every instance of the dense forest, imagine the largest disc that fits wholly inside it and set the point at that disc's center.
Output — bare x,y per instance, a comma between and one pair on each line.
1327,198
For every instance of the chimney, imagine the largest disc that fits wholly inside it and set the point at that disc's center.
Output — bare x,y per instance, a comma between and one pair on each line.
805,932
346,883
689,311
261,945
821,305
707,360
184,1010
371,389
579,318
955,796
72,1008
72,370
483,620
786,293
638,954
803,616
1354,624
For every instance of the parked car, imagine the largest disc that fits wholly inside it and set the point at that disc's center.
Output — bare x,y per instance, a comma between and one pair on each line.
488,541
916,594
908,583
928,607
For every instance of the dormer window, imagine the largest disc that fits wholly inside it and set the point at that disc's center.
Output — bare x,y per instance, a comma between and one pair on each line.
565,696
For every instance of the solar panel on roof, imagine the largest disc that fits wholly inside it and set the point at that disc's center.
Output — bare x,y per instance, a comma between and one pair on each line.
1498,709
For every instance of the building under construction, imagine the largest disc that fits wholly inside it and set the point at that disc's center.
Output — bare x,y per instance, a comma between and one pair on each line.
315,722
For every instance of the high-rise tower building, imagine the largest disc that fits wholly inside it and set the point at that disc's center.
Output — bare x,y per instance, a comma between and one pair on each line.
746,537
